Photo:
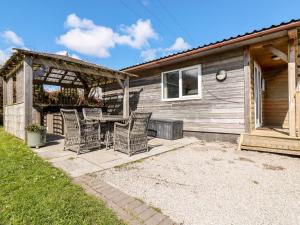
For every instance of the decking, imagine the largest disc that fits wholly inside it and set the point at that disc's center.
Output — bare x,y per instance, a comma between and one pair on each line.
275,140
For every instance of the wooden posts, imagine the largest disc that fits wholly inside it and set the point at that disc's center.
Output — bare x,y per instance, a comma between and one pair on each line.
292,49
247,84
27,85
298,113
126,98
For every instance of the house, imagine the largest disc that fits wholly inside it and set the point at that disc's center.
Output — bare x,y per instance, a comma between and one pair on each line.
241,86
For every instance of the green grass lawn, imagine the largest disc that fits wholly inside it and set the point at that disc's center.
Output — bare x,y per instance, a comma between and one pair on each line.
33,192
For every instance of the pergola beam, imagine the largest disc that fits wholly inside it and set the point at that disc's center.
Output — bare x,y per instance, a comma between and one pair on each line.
66,85
121,84
77,69
15,69
47,73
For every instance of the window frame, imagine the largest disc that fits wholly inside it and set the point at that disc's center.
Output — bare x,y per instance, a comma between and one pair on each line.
182,97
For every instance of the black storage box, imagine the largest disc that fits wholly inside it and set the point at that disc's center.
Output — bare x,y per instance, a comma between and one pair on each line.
165,128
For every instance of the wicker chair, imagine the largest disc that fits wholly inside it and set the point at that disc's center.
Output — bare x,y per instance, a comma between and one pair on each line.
80,135
132,136
92,113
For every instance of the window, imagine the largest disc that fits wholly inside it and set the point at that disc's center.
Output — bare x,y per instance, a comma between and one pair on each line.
182,84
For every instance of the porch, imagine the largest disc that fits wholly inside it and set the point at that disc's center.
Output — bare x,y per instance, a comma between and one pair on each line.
272,100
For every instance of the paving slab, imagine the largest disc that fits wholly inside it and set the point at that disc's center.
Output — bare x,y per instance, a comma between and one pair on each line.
77,167
50,154
101,156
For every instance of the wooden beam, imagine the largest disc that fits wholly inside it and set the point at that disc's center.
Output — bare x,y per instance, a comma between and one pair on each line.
270,42
63,76
27,87
84,83
121,84
75,68
298,113
57,84
247,89
126,98
292,50
277,52
47,74
14,70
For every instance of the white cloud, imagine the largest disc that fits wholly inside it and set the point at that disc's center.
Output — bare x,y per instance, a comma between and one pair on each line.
149,54
64,52
12,38
85,37
179,45
95,42
4,55
137,35
74,21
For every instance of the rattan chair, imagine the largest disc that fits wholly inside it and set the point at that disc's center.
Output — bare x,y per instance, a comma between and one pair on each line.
92,113
131,137
80,136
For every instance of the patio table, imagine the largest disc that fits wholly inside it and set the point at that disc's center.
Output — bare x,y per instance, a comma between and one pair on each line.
109,120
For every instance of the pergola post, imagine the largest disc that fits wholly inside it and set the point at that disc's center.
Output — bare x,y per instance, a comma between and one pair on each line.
126,98
292,80
27,85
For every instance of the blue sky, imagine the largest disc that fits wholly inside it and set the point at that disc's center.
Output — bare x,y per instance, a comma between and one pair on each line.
120,33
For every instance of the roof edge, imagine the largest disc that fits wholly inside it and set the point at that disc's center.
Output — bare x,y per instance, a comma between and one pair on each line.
237,39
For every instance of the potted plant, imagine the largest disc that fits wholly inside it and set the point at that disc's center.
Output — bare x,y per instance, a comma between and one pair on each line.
35,135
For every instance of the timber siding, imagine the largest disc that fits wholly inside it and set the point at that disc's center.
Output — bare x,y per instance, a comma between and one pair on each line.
275,100
221,109
1,100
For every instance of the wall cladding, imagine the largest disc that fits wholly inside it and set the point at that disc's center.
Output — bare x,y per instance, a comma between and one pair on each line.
1,100
14,120
221,109
275,100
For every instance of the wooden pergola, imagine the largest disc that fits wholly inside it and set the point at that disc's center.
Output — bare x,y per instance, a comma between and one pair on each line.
25,69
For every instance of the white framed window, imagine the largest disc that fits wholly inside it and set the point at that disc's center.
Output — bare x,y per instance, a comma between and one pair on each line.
181,84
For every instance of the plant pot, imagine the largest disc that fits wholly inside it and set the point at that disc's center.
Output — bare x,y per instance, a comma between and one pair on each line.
35,139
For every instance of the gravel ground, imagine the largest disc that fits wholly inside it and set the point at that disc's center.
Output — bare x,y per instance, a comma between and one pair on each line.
211,183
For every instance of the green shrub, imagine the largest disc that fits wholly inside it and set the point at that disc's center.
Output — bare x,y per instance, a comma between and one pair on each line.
35,128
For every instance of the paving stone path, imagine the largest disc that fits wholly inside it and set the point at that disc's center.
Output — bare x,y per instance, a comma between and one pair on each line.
131,210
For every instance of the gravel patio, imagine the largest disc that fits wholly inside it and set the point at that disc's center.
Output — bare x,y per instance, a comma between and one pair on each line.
212,183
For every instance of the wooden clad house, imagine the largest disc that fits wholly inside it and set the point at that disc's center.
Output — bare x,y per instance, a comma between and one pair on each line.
242,86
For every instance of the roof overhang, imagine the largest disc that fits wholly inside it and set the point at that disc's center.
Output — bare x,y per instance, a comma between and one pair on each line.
239,41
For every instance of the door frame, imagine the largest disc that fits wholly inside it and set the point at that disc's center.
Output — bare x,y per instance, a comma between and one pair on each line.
258,80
